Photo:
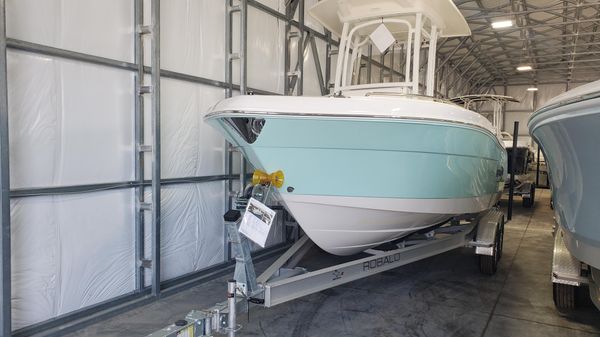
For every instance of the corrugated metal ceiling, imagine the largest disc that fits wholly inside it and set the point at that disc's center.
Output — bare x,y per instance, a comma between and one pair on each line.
558,39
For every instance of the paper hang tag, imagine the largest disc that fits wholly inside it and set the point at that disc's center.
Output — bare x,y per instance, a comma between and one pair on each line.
257,222
382,38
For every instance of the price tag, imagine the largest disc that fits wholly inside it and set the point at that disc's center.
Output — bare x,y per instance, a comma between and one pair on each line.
257,222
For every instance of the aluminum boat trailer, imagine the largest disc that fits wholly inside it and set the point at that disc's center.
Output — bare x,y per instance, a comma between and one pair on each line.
524,189
568,274
284,280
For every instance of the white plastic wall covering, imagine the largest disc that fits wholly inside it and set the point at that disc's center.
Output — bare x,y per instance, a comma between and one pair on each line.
334,57
266,36
375,74
548,91
520,93
363,75
102,28
278,5
575,85
70,123
193,38
312,86
190,147
70,252
192,219
522,117
522,111
388,63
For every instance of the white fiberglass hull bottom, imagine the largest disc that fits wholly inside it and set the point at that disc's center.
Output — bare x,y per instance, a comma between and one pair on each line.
349,225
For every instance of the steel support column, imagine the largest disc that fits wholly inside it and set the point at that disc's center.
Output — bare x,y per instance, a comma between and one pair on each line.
328,61
243,76
315,52
5,308
139,139
369,62
155,121
300,83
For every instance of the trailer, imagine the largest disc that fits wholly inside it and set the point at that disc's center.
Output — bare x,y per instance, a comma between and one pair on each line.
286,280
569,274
523,178
524,189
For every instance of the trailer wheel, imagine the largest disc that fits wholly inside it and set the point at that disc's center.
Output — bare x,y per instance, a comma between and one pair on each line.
564,296
488,264
501,241
528,201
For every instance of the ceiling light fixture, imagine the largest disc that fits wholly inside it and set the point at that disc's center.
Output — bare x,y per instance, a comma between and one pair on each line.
502,24
524,68
532,89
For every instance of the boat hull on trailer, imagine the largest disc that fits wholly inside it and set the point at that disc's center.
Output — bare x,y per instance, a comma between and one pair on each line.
567,131
364,171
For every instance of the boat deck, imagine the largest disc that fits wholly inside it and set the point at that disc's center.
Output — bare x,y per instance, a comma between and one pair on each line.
441,296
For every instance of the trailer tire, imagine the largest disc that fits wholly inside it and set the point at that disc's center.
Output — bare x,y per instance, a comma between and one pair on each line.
564,296
529,200
501,241
488,264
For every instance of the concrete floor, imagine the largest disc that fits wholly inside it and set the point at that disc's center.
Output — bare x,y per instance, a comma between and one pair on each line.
441,296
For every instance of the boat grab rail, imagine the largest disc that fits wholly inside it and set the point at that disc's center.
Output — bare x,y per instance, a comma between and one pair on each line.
418,96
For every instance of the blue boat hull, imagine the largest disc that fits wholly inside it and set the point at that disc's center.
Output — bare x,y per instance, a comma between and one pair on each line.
569,138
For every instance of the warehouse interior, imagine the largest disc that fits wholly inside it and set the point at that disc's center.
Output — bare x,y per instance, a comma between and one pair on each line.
113,185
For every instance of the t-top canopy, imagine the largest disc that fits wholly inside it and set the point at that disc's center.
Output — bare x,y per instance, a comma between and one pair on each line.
332,14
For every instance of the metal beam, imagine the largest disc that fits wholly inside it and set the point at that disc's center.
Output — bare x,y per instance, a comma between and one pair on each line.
92,188
527,43
155,125
464,56
520,27
300,77
116,64
449,55
485,14
575,38
462,86
139,140
315,52
5,250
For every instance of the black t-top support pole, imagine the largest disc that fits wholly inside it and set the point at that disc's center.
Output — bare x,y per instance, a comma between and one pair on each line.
513,162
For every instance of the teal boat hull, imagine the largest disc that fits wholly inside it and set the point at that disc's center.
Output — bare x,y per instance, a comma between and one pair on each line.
392,176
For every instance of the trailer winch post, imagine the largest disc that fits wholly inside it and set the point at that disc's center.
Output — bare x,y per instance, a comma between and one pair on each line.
231,301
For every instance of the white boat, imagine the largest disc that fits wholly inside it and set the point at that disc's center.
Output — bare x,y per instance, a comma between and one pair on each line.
566,129
374,161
